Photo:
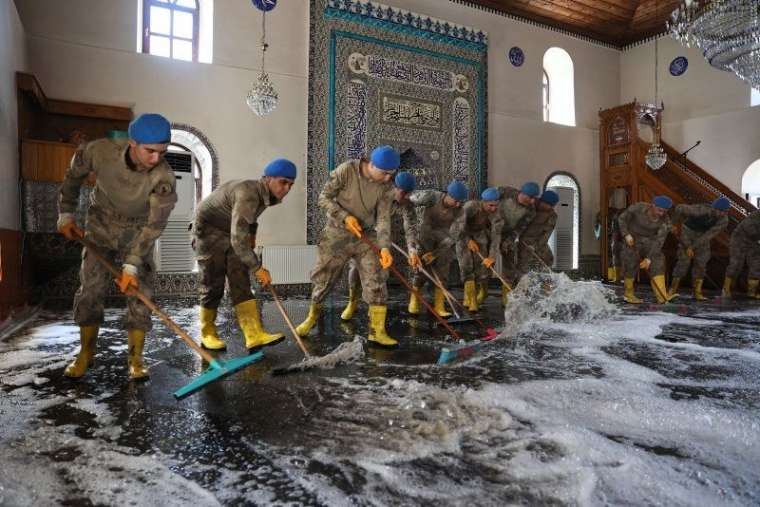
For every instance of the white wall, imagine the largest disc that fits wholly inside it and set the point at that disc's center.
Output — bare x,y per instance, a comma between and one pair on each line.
12,59
703,104
84,50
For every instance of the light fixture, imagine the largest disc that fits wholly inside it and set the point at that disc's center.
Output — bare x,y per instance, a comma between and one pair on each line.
656,156
262,98
727,32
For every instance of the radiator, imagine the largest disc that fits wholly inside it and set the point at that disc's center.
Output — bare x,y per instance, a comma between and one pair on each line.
289,264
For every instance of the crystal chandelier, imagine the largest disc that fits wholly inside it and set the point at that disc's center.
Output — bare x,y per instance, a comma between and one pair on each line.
262,98
727,32
656,156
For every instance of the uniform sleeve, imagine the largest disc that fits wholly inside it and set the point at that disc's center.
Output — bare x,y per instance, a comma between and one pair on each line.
243,218
686,211
709,234
383,221
162,200
523,223
497,224
623,221
79,168
410,226
328,198
659,240
460,224
424,198
546,230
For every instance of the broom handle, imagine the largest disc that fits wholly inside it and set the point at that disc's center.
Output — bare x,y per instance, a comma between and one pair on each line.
453,300
93,250
506,284
287,319
533,251
435,281
411,289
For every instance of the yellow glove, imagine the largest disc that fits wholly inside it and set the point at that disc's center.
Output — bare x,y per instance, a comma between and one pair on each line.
386,259
488,262
70,230
629,240
689,252
414,260
473,245
353,225
428,258
128,281
645,264
263,277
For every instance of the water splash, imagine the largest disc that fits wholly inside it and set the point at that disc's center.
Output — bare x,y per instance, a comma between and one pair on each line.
347,352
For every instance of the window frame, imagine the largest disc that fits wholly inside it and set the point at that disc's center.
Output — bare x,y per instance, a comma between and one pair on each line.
172,6
546,95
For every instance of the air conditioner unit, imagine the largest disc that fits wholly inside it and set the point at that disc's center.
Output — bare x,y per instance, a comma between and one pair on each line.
174,253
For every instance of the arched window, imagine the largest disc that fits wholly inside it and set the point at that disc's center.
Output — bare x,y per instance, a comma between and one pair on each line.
754,97
751,183
565,240
178,29
559,98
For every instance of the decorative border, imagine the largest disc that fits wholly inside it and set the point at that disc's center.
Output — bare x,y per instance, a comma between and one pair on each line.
377,14
210,147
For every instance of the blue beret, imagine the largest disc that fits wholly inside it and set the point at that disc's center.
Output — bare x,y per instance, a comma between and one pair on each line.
531,188
662,201
150,128
281,168
721,203
550,197
490,194
405,181
457,190
385,158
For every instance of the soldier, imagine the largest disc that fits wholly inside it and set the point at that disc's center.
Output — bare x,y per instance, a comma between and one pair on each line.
224,238
534,240
129,207
745,247
644,227
701,223
357,198
615,244
439,211
477,229
404,184
517,209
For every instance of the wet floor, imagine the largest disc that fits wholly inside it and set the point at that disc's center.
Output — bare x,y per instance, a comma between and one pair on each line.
576,407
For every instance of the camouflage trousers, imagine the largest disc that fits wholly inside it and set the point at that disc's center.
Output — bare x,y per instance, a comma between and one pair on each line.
470,264
218,261
616,247
336,247
633,255
743,251
113,235
701,257
441,265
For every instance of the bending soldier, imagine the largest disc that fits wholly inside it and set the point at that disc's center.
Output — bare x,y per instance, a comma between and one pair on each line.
129,207
745,247
357,198
644,227
701,223
224,239
517,209
534,241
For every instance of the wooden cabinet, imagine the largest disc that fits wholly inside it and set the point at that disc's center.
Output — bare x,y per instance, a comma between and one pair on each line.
45,160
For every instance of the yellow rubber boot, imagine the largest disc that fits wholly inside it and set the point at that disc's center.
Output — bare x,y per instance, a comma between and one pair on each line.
612,274
88,335
482,292
698,290
311,320
470,296
414,303
660,291
752,288
439,303
353,302
209,339
674,287
377,334
630,295
726,293
505,294
250,323
135,341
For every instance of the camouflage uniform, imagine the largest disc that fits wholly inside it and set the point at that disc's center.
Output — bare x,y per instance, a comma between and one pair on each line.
701,223
483,227
648,236
745,247
128,212
536,236
516,218
224,225
348,192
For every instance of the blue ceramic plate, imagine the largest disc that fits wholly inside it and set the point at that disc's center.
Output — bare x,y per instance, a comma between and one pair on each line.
264,5
516,56
679,65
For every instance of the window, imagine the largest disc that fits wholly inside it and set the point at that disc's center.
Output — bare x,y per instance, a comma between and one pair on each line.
751,183
178,29
559,98
565,240
754,97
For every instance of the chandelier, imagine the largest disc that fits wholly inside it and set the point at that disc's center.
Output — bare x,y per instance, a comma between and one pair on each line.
656,156
727,32
262,98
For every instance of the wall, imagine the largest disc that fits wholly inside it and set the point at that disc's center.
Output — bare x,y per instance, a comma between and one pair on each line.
79,56
703,104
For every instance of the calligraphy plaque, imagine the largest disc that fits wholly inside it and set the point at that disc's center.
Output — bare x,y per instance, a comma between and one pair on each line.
409,112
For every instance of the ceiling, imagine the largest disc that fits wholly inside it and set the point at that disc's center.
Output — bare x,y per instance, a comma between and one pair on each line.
616,22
